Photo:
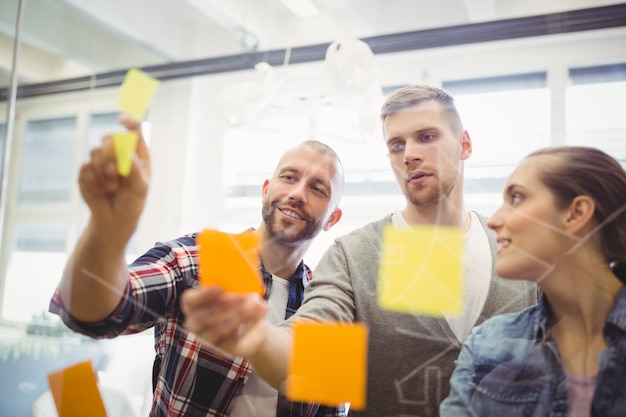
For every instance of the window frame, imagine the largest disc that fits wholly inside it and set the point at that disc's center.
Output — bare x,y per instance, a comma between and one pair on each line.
71,215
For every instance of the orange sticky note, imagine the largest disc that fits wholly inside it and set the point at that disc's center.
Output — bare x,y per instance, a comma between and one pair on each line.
136,92
420,270
75,391
124,144
230,261
338,373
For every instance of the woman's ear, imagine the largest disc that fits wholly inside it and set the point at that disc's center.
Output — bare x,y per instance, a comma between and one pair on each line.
580,213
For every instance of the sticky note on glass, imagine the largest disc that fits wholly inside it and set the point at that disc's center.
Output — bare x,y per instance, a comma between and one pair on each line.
124,144
138,89
420,270
338,373
230,261
75,391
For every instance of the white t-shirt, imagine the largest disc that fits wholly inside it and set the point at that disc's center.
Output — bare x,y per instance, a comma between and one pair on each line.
258,398
477,264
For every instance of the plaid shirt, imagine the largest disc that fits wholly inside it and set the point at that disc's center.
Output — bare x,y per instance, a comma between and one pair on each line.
187,379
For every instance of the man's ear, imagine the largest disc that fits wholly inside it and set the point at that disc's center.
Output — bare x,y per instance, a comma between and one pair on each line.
466,145
579,213
333,219
266,184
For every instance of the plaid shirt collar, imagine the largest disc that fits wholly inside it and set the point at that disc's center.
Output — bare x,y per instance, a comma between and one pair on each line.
297,284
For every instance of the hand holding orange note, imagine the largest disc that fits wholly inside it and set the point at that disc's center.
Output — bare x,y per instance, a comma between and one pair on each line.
75,391
230,261
338,374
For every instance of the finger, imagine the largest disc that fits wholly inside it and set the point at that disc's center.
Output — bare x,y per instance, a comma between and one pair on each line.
130,122
104,165
88,182
222,330
222,319
142,156
220,333
216,303
209,313
194,298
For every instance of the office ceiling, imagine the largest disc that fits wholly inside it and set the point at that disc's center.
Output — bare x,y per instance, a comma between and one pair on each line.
68,38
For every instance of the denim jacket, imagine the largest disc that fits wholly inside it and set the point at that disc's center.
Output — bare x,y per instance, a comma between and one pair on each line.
510,366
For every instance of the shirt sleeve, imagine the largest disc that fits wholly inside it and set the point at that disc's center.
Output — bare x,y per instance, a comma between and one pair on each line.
155,281
329,295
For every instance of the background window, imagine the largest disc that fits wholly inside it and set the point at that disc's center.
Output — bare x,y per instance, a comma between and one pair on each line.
47,167
2,134
507,117
99,125
596,109
38,231
36,260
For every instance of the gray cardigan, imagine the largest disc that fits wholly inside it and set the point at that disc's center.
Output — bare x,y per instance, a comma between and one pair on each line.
410,357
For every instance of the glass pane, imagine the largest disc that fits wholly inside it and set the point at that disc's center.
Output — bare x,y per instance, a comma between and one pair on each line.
363,153
100,125
595,117
598,74
35,265
2,134
33,342
47,169
504,127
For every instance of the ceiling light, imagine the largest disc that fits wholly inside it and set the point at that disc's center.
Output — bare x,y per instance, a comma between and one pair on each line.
301,8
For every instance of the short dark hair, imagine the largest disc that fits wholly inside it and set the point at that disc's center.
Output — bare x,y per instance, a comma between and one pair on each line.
411,95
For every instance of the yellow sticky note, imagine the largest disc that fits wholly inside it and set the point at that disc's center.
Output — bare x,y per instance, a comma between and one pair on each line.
421,270
136,92
328,364
230,261
75,391
124,145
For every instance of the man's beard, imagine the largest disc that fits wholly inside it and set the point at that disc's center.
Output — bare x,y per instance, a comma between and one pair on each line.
434,196
309,232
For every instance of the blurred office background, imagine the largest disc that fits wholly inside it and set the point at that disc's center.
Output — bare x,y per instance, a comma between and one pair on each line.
242,80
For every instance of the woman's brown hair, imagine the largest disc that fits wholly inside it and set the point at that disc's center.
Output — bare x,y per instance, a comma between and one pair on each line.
571,171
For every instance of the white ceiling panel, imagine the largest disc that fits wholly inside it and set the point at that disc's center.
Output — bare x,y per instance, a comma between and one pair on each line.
93,36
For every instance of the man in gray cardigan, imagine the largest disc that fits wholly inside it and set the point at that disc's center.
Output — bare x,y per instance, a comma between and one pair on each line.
410,356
